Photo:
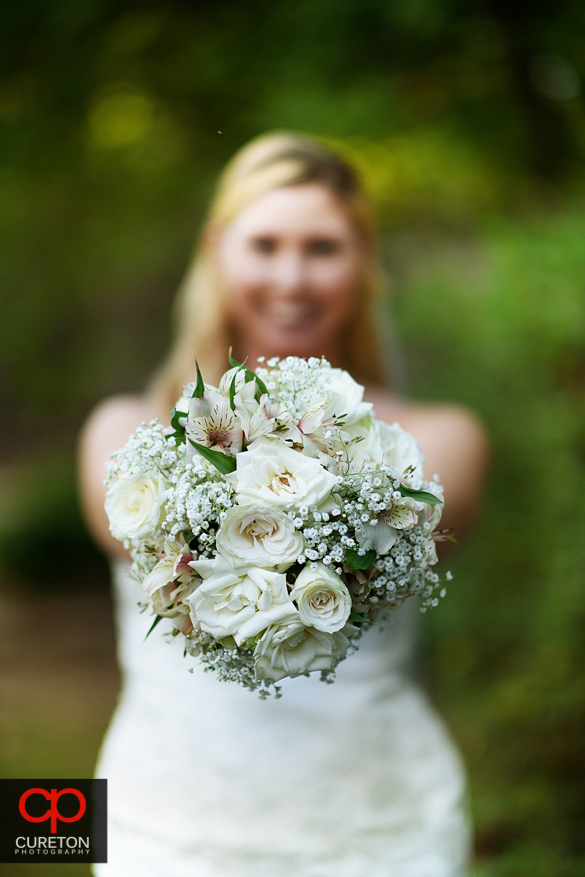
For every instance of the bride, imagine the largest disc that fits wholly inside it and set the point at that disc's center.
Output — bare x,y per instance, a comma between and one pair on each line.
354,779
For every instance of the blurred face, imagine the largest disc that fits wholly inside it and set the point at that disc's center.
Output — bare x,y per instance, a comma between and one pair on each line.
291,264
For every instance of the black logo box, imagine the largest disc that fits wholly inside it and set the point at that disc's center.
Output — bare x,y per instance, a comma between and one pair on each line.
28,836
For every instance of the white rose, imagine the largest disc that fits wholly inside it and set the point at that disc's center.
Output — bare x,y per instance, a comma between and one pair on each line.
366,442
271,472
323,600
134,504
348,395
291,649
237,602
382,443
399,448
258,535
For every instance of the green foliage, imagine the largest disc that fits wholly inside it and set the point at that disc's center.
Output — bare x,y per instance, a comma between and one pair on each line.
43,542
199,390
250,376
359,561
498,323
420,495
222,462
156,621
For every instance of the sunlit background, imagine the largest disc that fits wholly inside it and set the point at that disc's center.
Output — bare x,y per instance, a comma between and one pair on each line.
466,119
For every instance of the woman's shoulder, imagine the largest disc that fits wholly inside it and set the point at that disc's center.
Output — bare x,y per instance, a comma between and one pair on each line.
107,429
446,422
114,419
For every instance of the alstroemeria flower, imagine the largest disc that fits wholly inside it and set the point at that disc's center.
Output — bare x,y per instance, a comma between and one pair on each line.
174,565
403,513
219,429
380,536
255,423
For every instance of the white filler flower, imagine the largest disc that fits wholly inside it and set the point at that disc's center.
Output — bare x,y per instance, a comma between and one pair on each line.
292,649
237,602
134,504
258,535
269,471
323,600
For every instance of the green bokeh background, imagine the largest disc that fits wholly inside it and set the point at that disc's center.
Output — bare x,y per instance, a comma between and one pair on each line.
467,121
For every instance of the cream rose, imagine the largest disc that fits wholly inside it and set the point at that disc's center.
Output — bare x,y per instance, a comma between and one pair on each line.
323,600
366,442
258,535
399,449
269,471
345,395
134,504
237,602
291,649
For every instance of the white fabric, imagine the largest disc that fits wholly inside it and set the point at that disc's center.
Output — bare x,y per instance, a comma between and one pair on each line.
354,779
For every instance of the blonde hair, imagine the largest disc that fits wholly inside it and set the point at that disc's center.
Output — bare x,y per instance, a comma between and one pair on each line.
266,163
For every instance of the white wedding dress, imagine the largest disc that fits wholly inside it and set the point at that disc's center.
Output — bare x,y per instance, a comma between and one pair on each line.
205,779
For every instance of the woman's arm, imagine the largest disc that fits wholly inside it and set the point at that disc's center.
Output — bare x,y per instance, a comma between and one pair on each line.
455,447
106,430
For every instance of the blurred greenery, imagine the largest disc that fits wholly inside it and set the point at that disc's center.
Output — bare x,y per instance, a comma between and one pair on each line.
466,120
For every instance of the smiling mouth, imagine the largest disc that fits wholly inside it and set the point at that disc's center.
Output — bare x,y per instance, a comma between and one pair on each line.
289,315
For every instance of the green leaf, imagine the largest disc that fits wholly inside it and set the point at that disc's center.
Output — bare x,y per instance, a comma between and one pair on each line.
259,383
175,415
358,619
234,362
178,436
222,462
228,642
199,386
233,392
420,495
359,561
250,376
153,625
252,642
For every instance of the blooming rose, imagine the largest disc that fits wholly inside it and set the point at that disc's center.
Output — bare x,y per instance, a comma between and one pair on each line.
348,395
323,600
385,444
399,448
237,602
271,472
291,649
258,535
134,504
366,442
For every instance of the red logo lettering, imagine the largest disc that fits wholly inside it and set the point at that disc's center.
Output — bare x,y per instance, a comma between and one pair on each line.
53,811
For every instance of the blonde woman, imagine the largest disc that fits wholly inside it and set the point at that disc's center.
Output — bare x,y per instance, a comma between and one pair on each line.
355,779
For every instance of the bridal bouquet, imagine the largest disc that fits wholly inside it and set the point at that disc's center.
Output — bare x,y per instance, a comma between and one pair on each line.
274,519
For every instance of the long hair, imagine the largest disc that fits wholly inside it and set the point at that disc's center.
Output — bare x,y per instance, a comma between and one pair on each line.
201,326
